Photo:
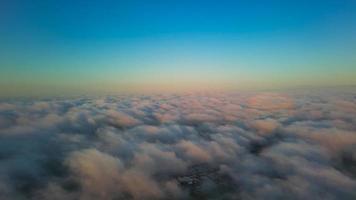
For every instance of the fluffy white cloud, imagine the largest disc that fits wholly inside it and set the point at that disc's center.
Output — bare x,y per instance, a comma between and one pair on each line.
246,146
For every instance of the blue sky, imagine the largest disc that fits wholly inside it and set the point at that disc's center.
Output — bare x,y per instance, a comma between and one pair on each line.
152,45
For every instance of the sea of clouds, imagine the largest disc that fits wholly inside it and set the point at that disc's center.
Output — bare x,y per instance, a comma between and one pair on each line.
261,145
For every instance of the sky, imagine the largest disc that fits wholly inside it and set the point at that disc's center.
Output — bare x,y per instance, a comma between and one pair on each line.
105,46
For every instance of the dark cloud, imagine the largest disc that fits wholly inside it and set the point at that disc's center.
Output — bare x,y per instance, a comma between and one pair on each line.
298,145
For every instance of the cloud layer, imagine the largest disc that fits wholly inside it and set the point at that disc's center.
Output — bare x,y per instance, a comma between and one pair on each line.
299,145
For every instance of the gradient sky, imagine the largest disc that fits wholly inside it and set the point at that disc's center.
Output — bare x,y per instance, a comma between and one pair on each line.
111,46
